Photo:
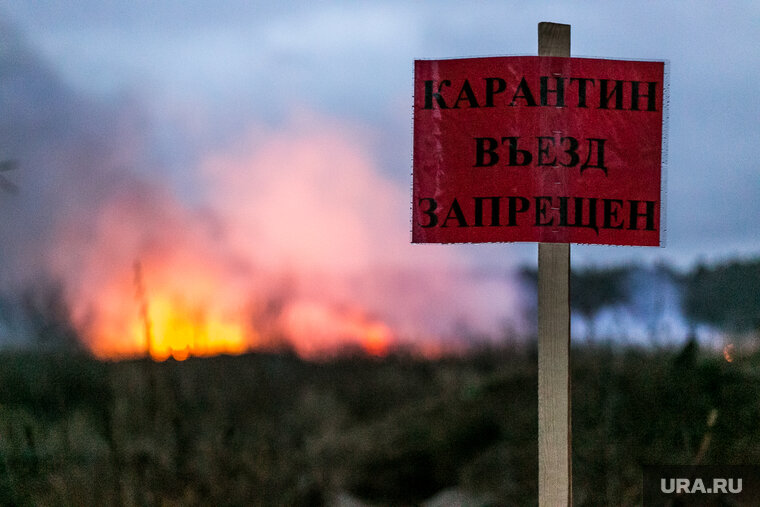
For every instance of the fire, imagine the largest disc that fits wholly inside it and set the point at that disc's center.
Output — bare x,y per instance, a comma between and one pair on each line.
273,251
180,308
178,330
315,328
376,339
169,328
176,308
729,352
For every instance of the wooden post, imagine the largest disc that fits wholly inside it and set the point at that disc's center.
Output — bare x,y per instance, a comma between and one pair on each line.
554,428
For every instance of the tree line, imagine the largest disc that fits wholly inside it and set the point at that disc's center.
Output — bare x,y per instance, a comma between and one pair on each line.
725,296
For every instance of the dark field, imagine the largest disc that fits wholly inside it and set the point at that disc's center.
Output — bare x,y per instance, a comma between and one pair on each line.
275,430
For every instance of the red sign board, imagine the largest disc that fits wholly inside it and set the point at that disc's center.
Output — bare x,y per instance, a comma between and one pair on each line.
563,150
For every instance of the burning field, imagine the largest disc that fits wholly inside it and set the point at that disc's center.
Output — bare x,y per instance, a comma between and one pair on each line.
161,232
272,236
293,250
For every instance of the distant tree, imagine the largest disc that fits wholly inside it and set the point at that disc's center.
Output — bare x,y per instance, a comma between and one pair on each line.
49,319
726,296
593,289
655,293
5,183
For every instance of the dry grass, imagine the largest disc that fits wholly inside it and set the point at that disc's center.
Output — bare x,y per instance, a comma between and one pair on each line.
275,430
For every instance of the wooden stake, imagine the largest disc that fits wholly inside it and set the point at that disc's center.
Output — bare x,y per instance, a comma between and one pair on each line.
554,428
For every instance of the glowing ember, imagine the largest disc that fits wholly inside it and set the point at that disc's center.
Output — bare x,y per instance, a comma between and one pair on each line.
376,339
729,352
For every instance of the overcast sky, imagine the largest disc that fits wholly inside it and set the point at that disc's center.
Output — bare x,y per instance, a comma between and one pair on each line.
200,72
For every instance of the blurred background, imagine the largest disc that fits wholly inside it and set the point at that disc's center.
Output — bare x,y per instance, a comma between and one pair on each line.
232,181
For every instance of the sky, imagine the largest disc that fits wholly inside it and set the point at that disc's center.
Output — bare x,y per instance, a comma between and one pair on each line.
287,126
203,70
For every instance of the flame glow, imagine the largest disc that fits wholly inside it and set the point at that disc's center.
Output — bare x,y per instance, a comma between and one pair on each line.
315,327
191,318
729,352
297,239
179,330
172,317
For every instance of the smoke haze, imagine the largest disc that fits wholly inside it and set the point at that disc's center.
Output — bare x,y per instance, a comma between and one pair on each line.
290,232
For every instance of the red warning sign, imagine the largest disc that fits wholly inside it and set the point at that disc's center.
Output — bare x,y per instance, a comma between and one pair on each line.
563,150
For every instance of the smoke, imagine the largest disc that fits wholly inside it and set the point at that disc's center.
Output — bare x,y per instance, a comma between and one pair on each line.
310,199
294,234
71,154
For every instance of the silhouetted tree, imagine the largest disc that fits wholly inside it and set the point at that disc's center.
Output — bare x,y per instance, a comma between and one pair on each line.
591,289
594,289
5,183
49,319
726,296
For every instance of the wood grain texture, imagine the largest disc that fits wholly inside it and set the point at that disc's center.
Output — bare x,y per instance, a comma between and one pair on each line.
553,39
554,411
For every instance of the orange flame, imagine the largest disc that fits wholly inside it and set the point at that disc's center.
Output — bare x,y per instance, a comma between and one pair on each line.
729,352
211,278
178,330
175,310
315,328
